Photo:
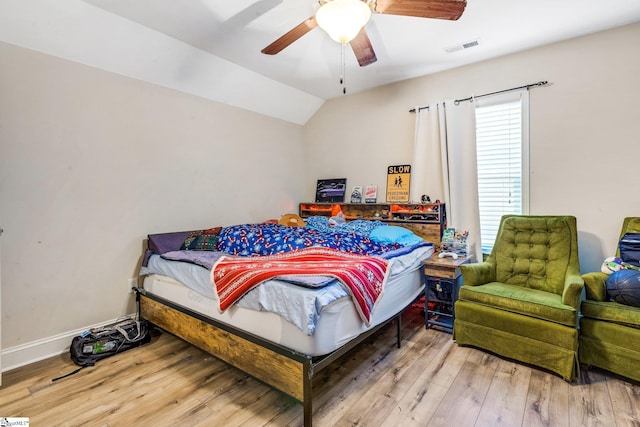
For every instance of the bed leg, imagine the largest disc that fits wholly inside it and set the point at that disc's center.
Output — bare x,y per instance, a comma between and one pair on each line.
307,373
398,327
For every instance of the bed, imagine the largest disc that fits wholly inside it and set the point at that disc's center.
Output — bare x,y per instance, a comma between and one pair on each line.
288,321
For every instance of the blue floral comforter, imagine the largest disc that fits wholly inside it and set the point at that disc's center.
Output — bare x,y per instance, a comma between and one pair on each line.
269,239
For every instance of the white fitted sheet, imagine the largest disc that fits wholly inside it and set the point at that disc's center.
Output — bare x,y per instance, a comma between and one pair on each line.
339,321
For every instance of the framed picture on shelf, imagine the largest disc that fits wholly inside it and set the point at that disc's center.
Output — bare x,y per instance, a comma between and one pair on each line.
356,194
371,194
331,190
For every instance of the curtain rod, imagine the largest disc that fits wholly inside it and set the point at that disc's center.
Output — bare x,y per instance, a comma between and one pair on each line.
458,101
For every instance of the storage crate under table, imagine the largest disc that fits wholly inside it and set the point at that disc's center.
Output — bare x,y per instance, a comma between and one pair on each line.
442,284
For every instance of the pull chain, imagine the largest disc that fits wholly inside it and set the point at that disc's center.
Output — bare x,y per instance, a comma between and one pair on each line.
343,79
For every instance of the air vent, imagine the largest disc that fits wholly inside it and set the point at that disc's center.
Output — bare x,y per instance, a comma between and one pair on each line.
465,45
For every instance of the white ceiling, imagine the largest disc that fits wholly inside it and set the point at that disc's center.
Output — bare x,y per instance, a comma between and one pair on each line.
199,38
406,47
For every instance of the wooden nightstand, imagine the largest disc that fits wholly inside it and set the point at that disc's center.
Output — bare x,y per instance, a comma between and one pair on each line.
441,286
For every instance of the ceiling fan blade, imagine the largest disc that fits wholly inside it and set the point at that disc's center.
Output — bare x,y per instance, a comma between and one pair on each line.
291,36
362,48
438,9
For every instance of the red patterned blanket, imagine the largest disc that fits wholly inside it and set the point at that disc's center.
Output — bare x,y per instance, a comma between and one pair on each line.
364,276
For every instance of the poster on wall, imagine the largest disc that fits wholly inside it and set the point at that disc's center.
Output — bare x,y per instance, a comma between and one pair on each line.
331,190
398,179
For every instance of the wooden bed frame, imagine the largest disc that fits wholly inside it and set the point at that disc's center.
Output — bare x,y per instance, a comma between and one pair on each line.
278,366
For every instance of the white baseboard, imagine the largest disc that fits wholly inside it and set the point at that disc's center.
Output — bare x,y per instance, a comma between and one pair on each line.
25,354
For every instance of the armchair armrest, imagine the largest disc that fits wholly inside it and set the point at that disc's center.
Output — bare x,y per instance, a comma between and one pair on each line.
478,273
595,287
572,293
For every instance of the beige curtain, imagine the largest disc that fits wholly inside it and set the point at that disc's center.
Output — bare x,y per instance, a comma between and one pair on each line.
427,163
444,165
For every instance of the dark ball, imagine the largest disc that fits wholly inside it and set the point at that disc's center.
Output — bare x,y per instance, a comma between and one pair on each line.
623,287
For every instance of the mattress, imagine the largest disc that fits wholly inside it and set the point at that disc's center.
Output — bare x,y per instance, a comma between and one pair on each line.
337,324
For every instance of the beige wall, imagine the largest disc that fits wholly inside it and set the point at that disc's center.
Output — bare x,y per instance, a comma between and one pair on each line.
585,129
91,162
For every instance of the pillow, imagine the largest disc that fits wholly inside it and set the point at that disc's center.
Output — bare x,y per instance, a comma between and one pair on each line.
394,234
166,242
203,240
162,243
410,240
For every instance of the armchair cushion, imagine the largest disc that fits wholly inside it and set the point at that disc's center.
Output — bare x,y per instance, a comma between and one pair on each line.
533,253
609,311
616,335
521,300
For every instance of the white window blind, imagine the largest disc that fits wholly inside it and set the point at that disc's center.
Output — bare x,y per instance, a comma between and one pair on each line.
503,158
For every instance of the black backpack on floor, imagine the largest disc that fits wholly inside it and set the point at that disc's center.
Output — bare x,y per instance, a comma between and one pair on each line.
99,343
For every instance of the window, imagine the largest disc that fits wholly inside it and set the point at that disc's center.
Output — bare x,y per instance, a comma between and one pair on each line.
502,140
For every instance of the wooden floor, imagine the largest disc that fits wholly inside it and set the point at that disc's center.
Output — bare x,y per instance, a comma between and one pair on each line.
430,381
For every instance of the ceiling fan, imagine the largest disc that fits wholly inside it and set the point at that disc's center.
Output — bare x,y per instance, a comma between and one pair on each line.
356,13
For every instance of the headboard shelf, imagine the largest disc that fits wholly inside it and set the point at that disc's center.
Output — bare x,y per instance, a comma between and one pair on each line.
427,220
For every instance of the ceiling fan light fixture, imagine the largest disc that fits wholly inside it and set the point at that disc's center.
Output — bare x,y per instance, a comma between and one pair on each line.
343,19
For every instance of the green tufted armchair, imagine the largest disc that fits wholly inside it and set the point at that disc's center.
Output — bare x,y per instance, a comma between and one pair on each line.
610,332
523,301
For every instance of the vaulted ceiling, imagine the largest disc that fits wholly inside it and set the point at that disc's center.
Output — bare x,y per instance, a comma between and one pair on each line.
211,48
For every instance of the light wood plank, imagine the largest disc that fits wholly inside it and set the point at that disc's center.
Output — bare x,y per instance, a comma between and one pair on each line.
333,406
547,401
506,399
368,410
423,399
584,408
418,406
467,392
430,381
625,398
413,363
